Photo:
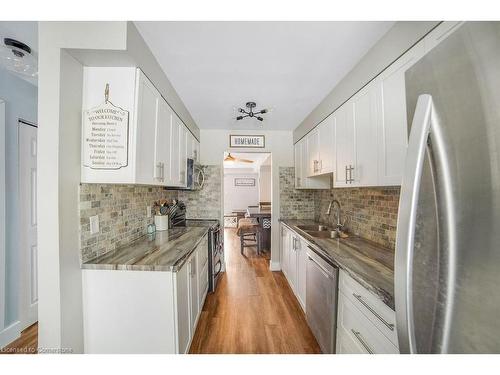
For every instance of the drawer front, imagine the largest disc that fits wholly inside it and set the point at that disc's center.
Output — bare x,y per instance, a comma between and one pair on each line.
371,306
346,345
361,330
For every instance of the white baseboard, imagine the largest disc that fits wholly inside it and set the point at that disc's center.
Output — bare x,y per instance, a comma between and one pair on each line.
274,266
10,333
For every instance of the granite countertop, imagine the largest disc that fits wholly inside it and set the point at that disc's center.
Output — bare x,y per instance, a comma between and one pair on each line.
162,251
370,264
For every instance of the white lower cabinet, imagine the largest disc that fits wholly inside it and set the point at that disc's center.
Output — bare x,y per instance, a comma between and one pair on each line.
294,263
144,311
364,323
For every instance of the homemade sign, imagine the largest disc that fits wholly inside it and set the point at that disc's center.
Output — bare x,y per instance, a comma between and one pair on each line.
247,141
105,136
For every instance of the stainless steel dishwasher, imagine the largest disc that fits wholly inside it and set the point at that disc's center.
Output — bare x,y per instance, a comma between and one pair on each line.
321,299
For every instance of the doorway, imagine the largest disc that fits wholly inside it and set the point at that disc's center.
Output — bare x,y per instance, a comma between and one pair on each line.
248,199
28,257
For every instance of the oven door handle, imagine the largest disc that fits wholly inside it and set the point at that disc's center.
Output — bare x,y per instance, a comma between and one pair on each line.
219,263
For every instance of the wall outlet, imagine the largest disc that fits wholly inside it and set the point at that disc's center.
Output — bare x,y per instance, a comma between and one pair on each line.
148,211
94,224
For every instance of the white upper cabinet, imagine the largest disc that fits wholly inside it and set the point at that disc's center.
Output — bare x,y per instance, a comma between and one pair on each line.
364,170
393,126
326,145
162,143
343,145
182,155
303,163
297,152
158,141
147,117
312,141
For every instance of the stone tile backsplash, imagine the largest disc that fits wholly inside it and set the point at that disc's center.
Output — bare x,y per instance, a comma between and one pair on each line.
205,203
122,215
372,212
294,204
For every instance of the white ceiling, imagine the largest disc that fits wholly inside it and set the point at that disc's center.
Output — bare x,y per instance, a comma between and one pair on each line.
288,66
258,158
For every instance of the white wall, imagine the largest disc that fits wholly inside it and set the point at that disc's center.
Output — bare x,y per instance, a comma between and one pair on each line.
265,180
64,48
239,197
20,102
278,143
60,86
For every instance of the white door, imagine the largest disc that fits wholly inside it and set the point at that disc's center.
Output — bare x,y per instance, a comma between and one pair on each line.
298,164
313,153
28,224
301,272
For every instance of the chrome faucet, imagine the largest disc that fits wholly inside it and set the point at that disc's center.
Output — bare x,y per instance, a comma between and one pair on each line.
329,210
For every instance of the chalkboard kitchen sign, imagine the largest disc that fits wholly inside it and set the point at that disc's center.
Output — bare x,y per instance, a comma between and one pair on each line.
247,141
105,136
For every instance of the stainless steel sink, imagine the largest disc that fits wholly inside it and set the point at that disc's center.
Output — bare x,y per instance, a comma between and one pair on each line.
314,228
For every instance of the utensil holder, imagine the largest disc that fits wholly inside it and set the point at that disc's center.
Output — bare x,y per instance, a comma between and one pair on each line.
161,222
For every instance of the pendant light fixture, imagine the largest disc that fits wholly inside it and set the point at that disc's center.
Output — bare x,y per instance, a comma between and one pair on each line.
17,57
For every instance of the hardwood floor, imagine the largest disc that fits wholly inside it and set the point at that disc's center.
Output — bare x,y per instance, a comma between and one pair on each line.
252,311
26,344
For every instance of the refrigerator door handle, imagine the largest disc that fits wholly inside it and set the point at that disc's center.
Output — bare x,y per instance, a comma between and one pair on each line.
405,236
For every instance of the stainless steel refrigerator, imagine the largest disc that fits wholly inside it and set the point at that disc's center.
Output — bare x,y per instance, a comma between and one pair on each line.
447,275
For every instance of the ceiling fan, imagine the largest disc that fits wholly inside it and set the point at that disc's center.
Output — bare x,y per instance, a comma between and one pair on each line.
229,157
250,113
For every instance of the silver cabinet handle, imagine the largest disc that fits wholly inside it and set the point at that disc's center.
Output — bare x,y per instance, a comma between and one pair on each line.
346,174
158,171
361,341
320,165
162,171
360,299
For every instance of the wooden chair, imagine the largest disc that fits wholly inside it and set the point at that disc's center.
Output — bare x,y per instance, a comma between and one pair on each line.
249,231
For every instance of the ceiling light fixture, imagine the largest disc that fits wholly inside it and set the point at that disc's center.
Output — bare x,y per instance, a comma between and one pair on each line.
250,112
17,57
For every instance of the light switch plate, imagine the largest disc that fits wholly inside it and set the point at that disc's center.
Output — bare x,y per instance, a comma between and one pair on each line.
148,211
94,224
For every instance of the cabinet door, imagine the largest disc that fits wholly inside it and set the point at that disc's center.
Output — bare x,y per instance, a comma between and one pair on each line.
326,145
182,155
183,313
284,250
174,151
193,288
162,142
365,172
298,164
393,126
344,144
146,132
301,272
312,140
292,263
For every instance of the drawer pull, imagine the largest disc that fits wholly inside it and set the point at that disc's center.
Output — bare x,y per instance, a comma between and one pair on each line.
362,342
360,299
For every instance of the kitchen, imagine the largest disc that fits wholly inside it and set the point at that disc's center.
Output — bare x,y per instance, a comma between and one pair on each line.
361,174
